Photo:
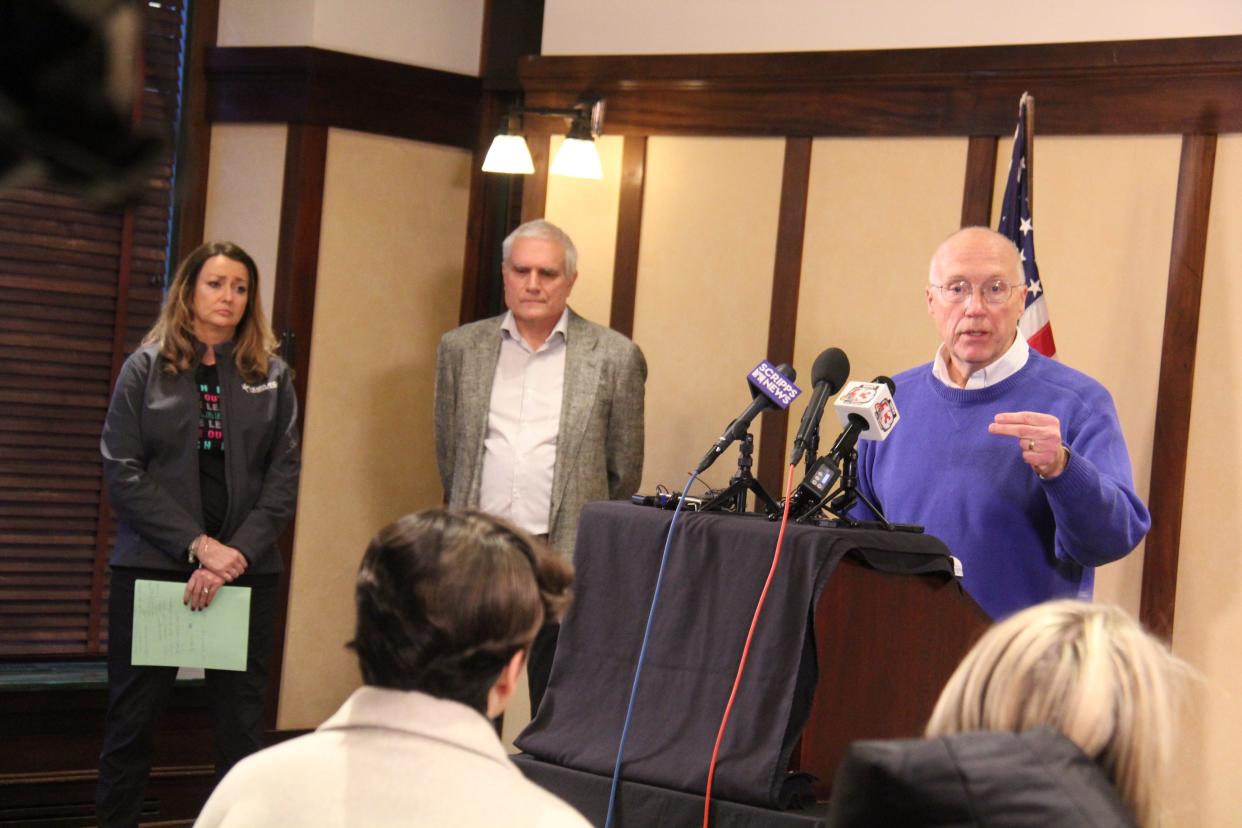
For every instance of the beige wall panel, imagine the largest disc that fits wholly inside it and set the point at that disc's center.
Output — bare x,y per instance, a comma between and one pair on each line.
600,27
389,285
1209,591
587,211
438,34
247,172
269,23
876,209
1103,229
704,292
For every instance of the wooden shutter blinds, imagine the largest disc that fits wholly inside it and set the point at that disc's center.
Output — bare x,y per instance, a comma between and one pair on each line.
80,287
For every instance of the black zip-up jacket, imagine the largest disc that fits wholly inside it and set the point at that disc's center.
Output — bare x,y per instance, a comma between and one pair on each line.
150,461
980,779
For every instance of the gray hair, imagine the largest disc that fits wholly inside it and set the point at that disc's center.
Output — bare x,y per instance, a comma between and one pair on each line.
546,230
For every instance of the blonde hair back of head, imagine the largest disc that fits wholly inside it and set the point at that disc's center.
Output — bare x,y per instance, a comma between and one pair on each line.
1088,670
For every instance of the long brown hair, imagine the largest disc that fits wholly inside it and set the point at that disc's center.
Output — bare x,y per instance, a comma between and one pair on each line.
253,342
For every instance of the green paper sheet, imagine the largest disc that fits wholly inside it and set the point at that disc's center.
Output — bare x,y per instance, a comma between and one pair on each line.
168,633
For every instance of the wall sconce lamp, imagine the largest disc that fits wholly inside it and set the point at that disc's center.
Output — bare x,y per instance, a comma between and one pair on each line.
577,156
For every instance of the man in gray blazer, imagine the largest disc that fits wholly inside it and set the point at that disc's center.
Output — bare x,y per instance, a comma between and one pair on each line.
538,411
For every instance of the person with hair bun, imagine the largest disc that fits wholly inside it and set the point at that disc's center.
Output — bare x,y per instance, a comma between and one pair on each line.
200,460
448,606
1064,714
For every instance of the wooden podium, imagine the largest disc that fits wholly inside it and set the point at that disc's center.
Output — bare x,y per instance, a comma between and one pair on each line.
887,644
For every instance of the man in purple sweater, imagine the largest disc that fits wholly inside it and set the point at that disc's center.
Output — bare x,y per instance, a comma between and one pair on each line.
1015,461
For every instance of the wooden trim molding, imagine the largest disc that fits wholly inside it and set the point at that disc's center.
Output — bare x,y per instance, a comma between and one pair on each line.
1184,85
783,316
190,196
306,85
980,181
1177,372
511,28
293,317
492,198
535,185
629,234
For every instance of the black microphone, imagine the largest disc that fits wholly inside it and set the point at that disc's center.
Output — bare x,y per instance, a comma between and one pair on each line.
737,429
830,371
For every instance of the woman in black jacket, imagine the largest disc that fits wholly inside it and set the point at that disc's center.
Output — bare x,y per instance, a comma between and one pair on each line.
200,457
1062,715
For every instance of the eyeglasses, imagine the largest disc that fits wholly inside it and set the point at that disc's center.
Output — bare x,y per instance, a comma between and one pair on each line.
995,292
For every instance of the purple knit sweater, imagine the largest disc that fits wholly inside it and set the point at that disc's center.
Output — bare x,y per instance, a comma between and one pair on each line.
1021,540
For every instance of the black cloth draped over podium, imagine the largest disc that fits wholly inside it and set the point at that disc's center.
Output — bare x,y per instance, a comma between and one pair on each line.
715,572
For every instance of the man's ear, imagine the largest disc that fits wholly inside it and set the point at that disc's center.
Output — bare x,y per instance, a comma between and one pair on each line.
498,697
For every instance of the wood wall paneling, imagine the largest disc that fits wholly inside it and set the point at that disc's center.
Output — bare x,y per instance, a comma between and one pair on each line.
293,316
491,200
980,176
535,185
194,150
52,736
1187,85
629,234
511,29
1177,371
306,85
783,315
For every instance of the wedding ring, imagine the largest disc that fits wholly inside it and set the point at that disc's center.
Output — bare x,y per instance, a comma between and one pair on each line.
1030,445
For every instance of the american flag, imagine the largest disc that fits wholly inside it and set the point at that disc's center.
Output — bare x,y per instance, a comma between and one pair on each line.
1015,222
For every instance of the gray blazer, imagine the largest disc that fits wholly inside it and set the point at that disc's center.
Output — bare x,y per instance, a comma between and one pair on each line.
599,448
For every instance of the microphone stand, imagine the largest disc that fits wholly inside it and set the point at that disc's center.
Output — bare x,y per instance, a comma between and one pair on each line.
848,494
812,450
741,483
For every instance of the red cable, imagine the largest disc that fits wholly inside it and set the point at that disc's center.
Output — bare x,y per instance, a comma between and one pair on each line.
741,665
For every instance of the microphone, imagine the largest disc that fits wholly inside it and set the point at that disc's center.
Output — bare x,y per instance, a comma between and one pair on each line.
868,412
770,387
830,371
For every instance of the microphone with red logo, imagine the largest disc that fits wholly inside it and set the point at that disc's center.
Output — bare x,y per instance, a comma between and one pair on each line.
867,412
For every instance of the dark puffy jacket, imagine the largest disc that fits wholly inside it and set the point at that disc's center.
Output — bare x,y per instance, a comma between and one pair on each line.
997,780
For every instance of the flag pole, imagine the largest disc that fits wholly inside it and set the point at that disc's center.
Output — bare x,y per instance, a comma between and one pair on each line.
1029,114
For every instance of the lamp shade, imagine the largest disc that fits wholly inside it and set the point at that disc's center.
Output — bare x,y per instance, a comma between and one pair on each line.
509,154
577,158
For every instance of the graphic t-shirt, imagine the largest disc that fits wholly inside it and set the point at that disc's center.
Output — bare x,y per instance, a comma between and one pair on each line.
211,475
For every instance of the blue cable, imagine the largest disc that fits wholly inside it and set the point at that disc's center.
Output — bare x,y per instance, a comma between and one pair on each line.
642,652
